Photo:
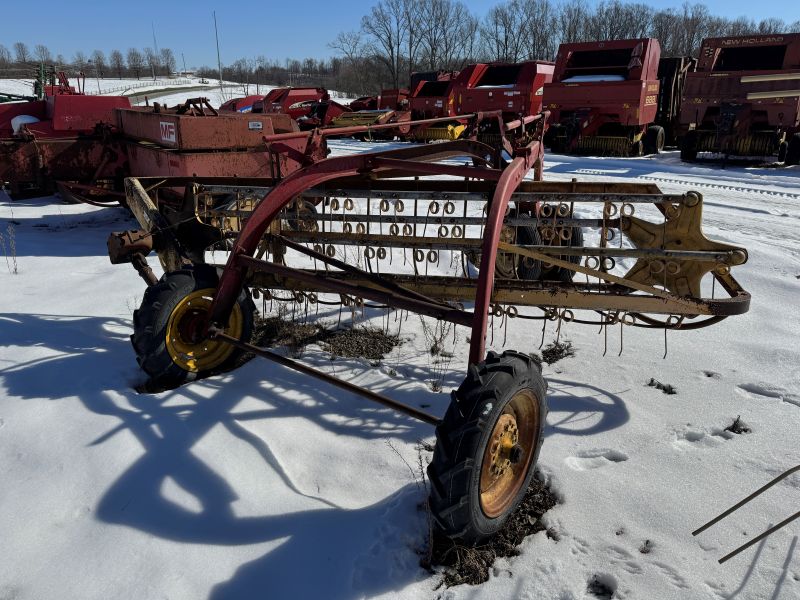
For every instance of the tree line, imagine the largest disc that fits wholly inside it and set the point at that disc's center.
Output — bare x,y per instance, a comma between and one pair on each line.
20,61
398,37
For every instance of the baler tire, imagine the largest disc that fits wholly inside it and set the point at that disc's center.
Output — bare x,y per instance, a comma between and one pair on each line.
152,318
654,139
783,149
689,147
505,388
793,151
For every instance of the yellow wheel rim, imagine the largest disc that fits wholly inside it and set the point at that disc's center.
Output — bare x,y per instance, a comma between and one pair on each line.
185,349
503,472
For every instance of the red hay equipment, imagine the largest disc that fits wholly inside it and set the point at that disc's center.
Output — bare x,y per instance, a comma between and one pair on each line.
73,140
362,231
744,98
604,97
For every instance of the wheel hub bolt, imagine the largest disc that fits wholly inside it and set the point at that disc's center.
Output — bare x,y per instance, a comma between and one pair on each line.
515,454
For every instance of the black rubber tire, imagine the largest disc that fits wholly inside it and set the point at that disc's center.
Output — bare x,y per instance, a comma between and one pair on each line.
550,136
689,147
461,439
529,270
793,151
654,139
783,149
527,235
151,318
560,273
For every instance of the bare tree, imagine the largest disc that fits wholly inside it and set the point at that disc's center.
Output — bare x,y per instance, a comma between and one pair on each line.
42,53
80,60
772,25
448,33
168,60
117,62
99,62
500,33
571,20
537,42
663,28
386,26
352,46
60,60
135,61
5,56
152,60
21,52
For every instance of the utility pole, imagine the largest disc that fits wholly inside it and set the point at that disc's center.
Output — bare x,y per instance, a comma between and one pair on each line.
155,47
219,61
183,58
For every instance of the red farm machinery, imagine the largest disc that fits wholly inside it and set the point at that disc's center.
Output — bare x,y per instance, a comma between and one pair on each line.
451,231
65,140
293,101
390,107
744,99
604,97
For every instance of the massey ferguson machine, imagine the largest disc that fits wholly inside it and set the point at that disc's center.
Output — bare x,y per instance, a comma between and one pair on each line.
194,138
475,245
604,97
744,99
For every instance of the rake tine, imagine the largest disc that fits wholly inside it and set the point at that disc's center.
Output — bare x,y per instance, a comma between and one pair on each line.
758,538
738,505
741,503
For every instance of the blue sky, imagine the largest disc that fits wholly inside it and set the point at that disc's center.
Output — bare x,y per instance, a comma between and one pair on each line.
276,29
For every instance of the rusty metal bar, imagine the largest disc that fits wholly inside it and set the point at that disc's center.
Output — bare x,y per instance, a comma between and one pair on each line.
217,334
740,504
744,501
390,241
371,277
345,131
758,538
323,281
544,294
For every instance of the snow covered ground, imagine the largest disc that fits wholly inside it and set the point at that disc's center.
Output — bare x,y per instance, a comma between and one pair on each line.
264,484
138,89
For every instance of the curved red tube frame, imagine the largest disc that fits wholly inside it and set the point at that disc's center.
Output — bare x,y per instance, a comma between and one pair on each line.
410,161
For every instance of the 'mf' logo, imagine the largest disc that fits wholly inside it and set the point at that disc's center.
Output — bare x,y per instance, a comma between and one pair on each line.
168,132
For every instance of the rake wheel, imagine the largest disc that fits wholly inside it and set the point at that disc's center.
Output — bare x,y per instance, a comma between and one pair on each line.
793,150
487,446
166,326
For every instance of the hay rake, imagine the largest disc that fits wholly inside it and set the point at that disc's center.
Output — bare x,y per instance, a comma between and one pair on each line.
480,241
